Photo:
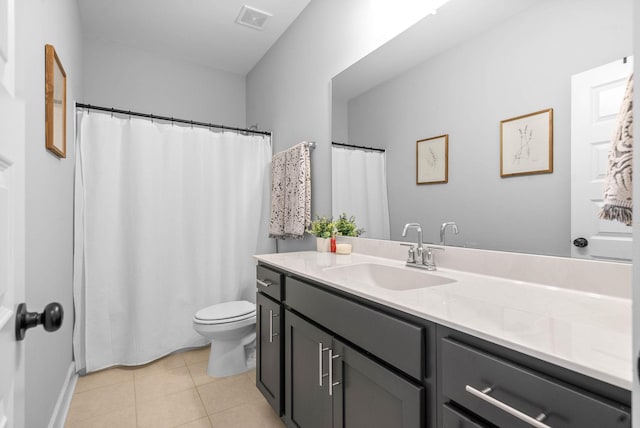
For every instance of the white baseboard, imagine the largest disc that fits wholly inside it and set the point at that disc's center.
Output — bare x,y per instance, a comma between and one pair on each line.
59,416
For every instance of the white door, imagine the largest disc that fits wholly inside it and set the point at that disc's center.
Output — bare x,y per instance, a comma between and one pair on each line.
12,147
596,96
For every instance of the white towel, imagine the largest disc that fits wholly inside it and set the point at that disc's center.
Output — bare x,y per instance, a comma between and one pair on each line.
618,202
291,193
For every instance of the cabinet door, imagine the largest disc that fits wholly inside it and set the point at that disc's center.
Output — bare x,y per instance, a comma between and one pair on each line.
367,394
269,361
308,404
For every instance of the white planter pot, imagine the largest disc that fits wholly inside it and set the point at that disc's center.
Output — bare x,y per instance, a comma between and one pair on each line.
323,245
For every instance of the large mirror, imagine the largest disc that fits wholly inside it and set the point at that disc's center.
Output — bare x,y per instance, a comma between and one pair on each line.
461,72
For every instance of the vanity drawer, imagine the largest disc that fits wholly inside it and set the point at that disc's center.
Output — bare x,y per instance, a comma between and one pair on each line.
452,418
269,282
398,342
466,372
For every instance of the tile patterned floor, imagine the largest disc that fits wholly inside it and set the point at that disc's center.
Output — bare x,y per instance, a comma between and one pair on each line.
174,391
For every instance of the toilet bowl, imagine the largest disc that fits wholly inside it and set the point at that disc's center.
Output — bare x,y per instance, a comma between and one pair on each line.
231,327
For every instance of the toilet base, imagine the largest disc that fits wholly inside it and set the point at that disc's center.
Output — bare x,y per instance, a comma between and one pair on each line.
228,358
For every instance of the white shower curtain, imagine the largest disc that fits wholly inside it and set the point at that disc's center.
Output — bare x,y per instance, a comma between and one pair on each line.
166,221
359,188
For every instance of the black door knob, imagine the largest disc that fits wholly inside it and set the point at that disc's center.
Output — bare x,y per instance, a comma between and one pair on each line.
50,318
580,242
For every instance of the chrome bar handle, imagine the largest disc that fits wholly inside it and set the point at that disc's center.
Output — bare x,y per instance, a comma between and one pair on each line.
331,382
265,283
321,349
271,333
484,396
270,326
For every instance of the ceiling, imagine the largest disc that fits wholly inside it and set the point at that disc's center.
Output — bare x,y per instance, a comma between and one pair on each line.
199,31
454,22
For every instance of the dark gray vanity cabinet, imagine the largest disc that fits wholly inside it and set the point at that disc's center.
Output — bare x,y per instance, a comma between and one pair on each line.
367,394
483,385
330,384
269,340
345,361
454,418
351,363
308,403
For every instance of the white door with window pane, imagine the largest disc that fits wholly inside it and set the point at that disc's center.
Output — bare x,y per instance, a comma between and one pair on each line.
12,226
596,96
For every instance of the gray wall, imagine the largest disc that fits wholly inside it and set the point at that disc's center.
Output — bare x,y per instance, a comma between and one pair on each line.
289,90
49,197
339,121
635,405
521,66
131,79
103,74
128,78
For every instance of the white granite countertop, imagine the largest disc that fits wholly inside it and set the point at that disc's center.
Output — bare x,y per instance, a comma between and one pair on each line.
584,332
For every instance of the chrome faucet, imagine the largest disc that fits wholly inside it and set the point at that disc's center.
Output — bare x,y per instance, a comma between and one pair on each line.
443,229
422,257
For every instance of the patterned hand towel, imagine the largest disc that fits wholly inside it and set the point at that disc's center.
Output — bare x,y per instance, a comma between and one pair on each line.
276,222
297,205
618,203
290,193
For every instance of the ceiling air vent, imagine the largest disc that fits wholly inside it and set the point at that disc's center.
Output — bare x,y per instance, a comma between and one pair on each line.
252,17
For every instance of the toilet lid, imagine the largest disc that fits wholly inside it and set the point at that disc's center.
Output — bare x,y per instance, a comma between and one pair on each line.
227,311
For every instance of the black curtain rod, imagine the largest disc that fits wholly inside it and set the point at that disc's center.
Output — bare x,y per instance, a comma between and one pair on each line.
357,147
169,119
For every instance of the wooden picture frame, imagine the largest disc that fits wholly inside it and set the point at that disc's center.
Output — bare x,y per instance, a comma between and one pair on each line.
432,160
526,144
55,103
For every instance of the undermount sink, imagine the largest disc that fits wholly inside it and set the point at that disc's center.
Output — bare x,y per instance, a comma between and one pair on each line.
384,276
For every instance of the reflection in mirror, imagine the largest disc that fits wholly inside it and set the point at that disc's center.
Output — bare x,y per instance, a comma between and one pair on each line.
359,187
463,71
596,98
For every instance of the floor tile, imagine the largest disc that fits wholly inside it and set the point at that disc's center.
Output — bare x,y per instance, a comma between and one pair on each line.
228,392
100,401
156,385
254,415
171,410
103,378
197,355
159,366
200,423
173,392
123,418
252,375
199,373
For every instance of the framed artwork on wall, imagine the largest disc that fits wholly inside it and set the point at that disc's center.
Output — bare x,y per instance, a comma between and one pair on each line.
526,144
432,160
55,103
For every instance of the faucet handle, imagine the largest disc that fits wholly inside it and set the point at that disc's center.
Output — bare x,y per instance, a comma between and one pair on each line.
428,259
411,258
435,247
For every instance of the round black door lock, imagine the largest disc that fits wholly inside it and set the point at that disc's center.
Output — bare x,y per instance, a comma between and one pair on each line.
50,318
580,242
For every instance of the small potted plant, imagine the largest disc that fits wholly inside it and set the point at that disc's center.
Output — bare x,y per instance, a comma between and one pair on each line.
346,226
322,228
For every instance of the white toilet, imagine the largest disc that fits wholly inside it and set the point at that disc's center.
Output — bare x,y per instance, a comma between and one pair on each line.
231,327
